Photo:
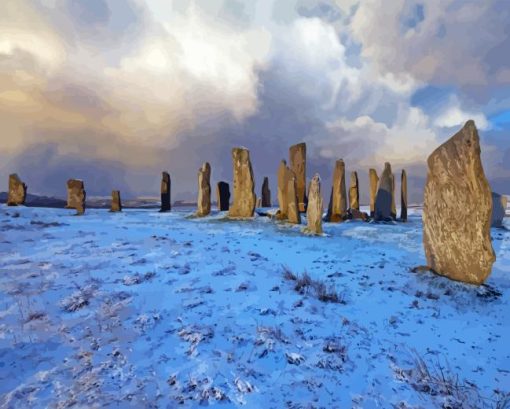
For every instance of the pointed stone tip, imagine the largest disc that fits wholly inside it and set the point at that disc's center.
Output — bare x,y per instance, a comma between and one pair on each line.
470,124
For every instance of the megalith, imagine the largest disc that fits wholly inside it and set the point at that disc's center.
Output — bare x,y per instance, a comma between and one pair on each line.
297,155
243,205
374,181
266,193
166,186
76,195
337,208
315,207
116,205
204,190
17,191
403,196
384,198
223,196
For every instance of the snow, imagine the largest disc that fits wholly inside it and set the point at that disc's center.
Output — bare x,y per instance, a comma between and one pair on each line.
147,309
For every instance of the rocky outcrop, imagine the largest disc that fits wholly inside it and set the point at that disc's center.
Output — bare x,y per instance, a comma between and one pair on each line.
403,196
17,191
293,214
166,186
374,181
354,192
297,155
457,210
243,205
266,193
499,204
337,208
315,207
384,198
76,195
204,190
223,196
116,203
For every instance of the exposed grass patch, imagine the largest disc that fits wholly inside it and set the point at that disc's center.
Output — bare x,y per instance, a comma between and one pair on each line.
304,284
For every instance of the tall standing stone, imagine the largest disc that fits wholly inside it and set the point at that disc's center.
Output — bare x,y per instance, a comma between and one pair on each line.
293,214
393,202
116,205
354,192
282,190
17,191
297,155
315,207
374,180
457,210
76,195
337,208
166,186
403,196
223,196
266,193
204,190
384,197
499,204
244,185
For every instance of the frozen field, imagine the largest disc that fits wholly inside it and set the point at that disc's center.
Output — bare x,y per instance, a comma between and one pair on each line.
143,309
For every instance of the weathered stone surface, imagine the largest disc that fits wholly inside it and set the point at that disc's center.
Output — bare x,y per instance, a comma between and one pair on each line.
259,202
116,202
403,196
223,196
337,208
315,207
244,185
384,198
266,193
293,214
76,195
204,190
499,204
297,155
17,191
457,210
374,181
354,192
166,187
393,202
282,190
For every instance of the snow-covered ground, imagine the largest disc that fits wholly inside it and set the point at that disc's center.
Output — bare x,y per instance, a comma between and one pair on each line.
143,309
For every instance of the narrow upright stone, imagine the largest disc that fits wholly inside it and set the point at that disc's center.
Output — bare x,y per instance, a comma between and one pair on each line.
244,185
204,190
393,202
374,181
337,208
116,202
223,196
383,200
315,207
403,196
17,191
282,190
354,192
297,154
499,204
292,200
266,193
76,195
259,202
166,186
457,210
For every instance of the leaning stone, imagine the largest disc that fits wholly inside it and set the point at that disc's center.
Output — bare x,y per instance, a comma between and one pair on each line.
244,185
116,202
337,208
499,204
76,195
17,191
204,190
374,180
223,196
297,154
166,186
315,207
457,210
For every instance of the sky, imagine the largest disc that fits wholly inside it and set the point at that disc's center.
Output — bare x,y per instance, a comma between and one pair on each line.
114,92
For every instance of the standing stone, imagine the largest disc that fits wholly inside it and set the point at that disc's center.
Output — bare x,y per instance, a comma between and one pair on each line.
204,190
259,202
457,210
337,208
282,190
315,207
76,195
223,196
393,203
244,185
499,204
17,191
383,199
374,180
297,154
354,192
116,202
166,186
266,193
293,214
403,196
